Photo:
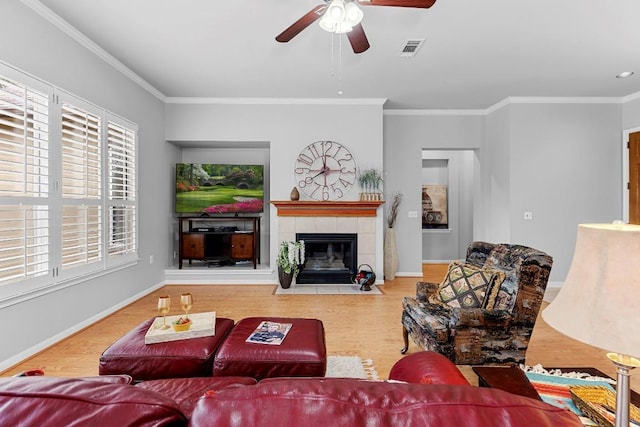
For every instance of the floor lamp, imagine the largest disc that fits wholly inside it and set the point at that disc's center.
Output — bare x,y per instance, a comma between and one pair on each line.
599,302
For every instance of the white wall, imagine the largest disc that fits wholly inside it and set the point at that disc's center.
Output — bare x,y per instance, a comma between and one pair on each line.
631,113
493,203
30,43
406,135
288,128
565,167
559,159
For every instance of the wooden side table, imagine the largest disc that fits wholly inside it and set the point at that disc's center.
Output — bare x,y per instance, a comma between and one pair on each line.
507,378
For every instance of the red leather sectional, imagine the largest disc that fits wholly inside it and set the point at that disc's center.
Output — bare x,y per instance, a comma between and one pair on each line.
441,398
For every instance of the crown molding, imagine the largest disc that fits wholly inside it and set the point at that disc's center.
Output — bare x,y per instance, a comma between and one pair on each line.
515,100
434,112
76,35
275,101
631,97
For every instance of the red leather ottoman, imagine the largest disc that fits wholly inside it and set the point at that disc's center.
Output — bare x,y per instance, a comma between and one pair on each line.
176,359
302,353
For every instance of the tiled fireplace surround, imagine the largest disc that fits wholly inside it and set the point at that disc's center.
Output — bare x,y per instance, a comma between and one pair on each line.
332,217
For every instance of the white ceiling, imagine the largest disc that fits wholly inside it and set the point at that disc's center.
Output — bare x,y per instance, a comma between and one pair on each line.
477,52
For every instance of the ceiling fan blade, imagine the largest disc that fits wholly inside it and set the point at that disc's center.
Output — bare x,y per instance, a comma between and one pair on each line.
358,39
302,23
424,4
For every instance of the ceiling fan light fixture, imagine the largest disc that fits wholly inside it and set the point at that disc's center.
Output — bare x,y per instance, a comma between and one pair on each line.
353,13
342,28
340,18
336,10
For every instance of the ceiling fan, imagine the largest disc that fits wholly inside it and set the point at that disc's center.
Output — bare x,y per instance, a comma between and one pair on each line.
344,16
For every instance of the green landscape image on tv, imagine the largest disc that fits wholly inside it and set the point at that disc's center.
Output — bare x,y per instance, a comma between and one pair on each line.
205,188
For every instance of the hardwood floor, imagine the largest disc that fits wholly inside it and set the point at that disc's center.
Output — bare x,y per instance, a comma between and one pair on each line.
366,326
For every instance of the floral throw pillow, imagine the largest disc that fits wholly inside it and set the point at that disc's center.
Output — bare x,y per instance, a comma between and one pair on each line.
468,286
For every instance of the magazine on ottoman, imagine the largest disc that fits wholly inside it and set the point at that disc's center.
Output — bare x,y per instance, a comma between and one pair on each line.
271,333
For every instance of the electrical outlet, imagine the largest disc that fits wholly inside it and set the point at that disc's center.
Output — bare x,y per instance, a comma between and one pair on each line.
528,216
413,214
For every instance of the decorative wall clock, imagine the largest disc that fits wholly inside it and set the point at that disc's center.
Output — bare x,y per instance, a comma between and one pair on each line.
325,170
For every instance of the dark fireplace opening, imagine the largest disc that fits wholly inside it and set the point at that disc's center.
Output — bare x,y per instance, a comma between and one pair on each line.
329,258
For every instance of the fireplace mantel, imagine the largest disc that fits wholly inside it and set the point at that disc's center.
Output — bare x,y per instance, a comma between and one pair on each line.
316,208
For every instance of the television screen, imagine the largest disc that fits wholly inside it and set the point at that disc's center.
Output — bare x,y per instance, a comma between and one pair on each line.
219,188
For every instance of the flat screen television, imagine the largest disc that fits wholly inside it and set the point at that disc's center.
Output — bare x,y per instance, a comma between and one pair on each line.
205,188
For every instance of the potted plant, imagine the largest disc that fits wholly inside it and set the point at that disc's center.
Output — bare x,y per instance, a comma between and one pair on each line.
290,260
369,181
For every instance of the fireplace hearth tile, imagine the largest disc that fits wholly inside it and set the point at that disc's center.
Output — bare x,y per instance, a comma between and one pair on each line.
326,290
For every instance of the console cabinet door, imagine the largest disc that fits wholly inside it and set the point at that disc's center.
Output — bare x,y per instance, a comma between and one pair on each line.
192,246
242,246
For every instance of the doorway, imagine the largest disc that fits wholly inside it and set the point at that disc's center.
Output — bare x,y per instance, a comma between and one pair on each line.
450,173
634,178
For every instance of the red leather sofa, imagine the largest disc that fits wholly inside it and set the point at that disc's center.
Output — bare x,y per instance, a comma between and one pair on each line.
434,394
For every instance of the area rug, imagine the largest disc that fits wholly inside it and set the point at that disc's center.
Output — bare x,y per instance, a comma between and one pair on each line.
553,385
350,367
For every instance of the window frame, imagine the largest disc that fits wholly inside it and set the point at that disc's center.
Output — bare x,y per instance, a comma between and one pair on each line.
12,292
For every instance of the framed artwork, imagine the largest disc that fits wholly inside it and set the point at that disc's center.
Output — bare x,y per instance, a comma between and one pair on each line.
434,206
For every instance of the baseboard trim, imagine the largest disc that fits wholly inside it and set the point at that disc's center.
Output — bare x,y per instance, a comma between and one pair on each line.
437,261
409,274
32,351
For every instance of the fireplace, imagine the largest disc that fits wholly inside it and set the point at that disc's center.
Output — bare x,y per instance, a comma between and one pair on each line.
329,257
359,217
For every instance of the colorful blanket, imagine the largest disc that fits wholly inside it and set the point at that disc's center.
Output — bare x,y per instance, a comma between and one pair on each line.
554,389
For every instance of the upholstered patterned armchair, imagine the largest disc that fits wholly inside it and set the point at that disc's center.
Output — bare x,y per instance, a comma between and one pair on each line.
485,309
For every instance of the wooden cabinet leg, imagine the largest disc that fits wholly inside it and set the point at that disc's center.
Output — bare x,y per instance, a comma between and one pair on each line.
405,339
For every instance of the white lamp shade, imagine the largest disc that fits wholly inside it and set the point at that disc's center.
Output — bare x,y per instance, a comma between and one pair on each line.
599,302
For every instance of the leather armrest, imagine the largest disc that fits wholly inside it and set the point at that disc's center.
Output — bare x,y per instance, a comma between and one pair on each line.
427,367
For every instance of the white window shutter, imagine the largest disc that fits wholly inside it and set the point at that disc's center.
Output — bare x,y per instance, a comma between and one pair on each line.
24,183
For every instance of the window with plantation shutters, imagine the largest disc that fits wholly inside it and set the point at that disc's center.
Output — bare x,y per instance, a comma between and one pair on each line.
121,173
81,171
24,182
67,188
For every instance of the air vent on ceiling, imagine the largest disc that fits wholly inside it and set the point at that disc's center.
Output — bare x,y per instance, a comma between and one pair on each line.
411,47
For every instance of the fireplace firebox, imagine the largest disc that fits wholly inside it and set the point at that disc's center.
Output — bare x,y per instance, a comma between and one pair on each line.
330,258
